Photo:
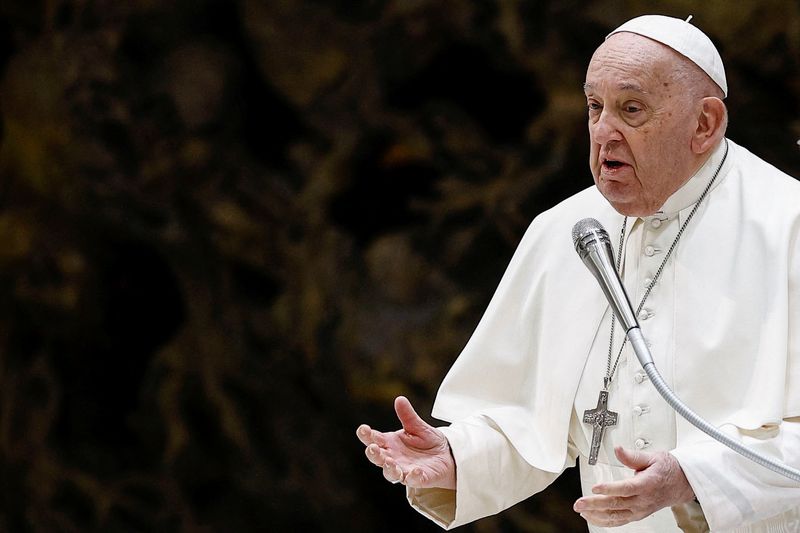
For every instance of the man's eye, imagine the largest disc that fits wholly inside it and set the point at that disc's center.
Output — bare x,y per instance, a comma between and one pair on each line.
631,109
594,106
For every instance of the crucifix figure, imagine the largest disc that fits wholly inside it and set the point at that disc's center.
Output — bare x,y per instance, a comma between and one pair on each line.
601,418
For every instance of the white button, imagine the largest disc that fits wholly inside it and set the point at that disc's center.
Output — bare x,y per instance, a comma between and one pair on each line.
644,314
639,410
639,377
649,251
641,443
647,282
656,223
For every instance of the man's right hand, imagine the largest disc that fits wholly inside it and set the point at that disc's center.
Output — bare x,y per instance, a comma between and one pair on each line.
417,455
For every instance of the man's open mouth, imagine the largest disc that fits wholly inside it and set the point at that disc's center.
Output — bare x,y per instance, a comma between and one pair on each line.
611,163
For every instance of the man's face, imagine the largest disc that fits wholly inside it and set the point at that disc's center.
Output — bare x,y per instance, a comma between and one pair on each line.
641,120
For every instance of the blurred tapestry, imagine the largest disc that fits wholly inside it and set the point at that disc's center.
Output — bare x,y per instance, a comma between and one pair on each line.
231,231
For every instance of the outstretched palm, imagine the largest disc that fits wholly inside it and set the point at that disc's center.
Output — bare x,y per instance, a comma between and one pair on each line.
417,455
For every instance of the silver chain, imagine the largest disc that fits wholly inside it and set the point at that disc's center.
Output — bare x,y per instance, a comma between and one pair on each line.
609,369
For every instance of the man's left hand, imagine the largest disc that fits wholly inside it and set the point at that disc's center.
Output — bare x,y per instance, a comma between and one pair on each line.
659,482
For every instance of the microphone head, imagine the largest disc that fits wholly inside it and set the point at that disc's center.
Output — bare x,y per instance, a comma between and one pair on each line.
586,231
594,248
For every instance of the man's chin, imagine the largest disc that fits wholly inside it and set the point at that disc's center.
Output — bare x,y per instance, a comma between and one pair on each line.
625,204
632,210
629,211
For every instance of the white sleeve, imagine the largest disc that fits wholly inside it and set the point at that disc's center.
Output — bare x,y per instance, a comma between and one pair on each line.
490,476
733,490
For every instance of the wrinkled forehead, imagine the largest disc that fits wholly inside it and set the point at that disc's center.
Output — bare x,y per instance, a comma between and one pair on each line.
629,58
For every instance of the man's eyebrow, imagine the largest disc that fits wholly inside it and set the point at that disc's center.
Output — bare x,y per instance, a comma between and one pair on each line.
625,86
631,87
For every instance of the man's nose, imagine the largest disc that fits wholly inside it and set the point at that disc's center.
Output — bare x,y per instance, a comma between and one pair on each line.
605,129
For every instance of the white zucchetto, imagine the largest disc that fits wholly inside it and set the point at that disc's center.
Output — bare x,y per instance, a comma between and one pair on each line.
682,37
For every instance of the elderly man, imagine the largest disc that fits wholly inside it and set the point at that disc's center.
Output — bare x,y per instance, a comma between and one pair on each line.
709,251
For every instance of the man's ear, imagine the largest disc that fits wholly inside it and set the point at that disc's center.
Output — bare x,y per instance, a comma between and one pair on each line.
712,122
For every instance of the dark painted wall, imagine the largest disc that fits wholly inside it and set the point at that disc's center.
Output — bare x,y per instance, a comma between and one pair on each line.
232,230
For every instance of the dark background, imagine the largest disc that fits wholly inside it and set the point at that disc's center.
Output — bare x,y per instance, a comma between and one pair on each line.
230,231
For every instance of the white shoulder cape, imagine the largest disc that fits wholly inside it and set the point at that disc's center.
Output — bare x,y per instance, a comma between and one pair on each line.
737,333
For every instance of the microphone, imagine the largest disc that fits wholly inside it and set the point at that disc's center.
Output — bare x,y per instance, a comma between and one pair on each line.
594,247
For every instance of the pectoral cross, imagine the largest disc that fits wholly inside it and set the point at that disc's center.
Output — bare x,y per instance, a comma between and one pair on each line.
600,418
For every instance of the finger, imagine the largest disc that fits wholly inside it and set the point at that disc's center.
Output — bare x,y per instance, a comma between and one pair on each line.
364,434
378,438
416,432
608,519
368,436
625,487
392,472
417,478
375,454
603,503
412,423
634,459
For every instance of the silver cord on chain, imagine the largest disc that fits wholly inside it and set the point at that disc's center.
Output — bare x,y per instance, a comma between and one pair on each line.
609,369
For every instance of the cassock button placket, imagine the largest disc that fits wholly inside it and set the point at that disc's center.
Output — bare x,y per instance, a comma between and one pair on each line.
649,250
645,314
639,410
646,283
655,223
641,443
639,377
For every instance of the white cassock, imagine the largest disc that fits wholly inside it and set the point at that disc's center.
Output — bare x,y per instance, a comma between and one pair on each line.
723,322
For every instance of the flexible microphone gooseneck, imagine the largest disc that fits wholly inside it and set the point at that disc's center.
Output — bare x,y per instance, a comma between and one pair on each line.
594,248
